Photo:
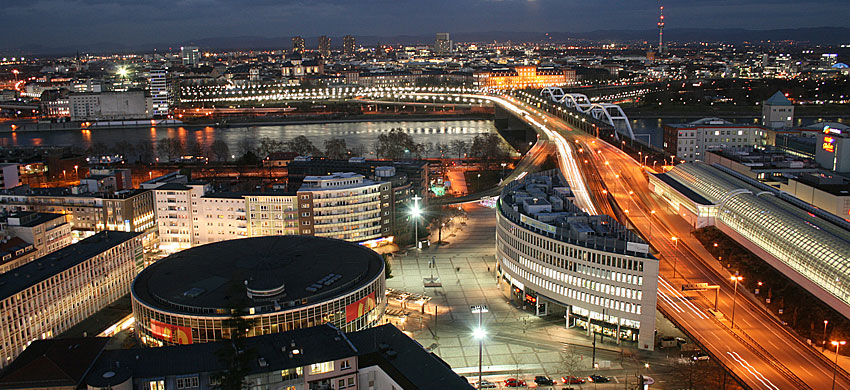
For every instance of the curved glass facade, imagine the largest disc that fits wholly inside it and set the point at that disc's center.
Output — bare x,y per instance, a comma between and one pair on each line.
156,326
816,249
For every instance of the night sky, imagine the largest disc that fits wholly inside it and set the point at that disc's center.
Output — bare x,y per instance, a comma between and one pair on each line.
55,23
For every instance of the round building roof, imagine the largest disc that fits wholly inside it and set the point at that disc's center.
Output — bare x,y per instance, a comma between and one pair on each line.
264,273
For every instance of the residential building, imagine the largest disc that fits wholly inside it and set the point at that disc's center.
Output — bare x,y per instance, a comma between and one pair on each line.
777,111
556,259
691,141
46,231
272,213
325,46
190,55
177,213
321,357
15,252
109,106
348,45
345,206
160,95
9,176
297,67
298,45
221,216
64,288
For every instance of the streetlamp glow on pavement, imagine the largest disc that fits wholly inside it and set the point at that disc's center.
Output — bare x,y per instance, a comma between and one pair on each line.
837,344
736,279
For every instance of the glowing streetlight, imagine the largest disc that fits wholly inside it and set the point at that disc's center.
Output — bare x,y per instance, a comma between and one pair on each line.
834,369
415,213
736,279
479,333
122,71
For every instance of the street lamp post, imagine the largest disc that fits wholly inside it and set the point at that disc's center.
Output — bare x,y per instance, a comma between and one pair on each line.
675,257
651,214
415,213
835,369
479,333
736,279
825,322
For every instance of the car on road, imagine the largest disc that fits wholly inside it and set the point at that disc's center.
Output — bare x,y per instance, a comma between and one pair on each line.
571,380
514,382
599,379
541,380
701,356
485,384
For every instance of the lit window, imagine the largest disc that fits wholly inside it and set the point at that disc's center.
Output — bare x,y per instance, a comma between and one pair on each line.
317,368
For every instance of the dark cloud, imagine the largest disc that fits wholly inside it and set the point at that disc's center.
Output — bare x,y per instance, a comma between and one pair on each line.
133,22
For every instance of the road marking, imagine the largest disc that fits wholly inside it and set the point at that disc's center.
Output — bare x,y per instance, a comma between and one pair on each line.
749,367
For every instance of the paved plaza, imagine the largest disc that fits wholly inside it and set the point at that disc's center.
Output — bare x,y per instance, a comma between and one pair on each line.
518,343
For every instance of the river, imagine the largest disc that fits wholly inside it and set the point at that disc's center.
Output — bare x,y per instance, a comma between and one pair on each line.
354,133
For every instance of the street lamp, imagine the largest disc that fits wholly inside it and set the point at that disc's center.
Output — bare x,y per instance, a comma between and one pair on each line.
736,279
415,213
479,333
825,322
651,214
835,369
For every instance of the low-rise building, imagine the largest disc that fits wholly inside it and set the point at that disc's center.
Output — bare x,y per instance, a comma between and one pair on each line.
825,191
15,252
48,232
95,106
519,77
321,357
63,288
9,176
691,141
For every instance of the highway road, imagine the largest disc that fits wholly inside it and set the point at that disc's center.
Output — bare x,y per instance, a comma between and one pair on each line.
760,351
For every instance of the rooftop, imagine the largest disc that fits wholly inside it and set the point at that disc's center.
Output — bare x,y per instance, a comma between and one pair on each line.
30,218
84,362
41,269
276,271
778,99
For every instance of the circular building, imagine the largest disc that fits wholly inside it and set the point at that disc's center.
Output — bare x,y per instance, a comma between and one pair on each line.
267,284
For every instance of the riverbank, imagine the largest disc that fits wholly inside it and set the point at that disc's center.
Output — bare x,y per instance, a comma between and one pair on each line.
75,126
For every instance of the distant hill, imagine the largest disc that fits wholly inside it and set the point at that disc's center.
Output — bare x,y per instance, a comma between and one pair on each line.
813,35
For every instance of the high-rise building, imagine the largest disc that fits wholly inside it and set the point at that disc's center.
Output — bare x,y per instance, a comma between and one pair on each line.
191,55
325,46
443,44
298,45
159,91
348,45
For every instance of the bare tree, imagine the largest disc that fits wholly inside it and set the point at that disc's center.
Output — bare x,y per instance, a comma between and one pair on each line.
336,149
220,150
459,147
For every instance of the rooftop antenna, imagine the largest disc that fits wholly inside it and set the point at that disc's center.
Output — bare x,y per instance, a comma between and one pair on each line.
661,30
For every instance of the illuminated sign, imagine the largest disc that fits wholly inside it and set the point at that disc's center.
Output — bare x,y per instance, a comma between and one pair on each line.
357,309
829,130
537,224
171,333
829,144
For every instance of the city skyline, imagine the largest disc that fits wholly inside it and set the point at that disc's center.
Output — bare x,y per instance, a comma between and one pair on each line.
133,25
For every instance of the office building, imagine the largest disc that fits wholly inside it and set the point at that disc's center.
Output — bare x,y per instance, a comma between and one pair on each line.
47,296
298,45
832,150
443,43
691,141
46,231
777,111
9,176
348,45
277,283
324,46
160,96
806,244
519,77
106,106
321,357
555,258
190,55
87,213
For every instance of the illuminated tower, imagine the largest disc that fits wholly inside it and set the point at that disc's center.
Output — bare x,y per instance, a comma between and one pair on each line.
661,31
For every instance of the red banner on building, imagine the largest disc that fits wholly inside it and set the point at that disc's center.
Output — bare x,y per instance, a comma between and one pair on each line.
172,333
357,309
